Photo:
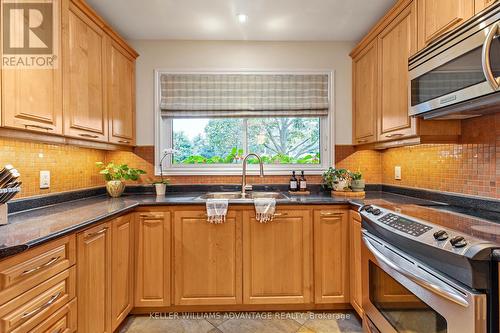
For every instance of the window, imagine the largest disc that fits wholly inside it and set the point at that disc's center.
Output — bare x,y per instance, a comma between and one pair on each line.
217,141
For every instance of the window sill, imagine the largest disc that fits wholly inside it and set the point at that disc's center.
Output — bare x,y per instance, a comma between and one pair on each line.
221,171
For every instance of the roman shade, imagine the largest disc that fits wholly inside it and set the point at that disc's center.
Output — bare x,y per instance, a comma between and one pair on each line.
244,95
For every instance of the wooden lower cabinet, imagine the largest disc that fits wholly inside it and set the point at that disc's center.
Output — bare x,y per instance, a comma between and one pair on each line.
122,269
94,279
152,284
207,259
331,269
277,258
355,260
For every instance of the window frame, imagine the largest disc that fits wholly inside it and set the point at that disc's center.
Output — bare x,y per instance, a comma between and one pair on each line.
164,134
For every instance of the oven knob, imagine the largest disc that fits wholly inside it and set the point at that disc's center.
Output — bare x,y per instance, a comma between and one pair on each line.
368,209
440,235
377,212
458,241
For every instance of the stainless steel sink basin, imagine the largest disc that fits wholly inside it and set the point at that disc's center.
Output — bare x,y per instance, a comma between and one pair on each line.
240,196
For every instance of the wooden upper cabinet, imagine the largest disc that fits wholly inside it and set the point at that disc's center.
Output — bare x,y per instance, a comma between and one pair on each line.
85,113
94,279
396,43
365,95
436,17
355,261
121,95
153,259
122,269
31,99
331,269
277,258
479,5
207,259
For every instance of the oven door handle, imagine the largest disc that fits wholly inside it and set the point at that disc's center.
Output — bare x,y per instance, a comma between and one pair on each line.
431,286
490,77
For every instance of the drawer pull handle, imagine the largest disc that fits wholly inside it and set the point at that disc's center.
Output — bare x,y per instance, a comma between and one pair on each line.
39,309
96,233
88,135
38,127
123,141
331,214
47,264
362,140
151,216
393,135
280,214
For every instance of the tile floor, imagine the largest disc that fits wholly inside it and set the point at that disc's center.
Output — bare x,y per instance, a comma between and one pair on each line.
247,322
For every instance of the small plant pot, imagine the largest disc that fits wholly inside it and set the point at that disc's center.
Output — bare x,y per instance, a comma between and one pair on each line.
341,185
115,188
160,189
358,185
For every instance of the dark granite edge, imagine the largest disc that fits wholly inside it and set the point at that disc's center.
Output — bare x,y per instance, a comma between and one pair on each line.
80,226
454,199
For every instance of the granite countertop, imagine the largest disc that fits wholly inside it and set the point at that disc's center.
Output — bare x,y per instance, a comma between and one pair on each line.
36,226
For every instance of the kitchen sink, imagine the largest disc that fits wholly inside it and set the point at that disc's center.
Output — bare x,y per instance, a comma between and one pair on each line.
241,196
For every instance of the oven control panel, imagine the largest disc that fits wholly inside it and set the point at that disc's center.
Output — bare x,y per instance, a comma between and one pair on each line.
404,225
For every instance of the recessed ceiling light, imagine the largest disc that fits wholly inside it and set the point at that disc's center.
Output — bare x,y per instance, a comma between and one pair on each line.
242,18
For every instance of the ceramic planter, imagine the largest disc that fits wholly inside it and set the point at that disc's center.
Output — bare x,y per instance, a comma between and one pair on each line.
160,189
358,185
341,185
115,188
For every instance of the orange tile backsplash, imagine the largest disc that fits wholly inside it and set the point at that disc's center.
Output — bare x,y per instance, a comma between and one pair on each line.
472,167
71,167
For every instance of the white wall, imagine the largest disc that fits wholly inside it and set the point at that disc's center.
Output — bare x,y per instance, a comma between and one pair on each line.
237,55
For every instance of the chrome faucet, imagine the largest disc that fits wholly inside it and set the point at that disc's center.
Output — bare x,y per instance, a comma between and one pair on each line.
244,186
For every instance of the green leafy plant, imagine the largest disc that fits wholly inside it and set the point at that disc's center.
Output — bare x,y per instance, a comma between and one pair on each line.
356,175
333,176
113,171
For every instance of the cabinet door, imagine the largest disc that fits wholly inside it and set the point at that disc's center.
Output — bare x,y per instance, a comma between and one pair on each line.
85,113
365,95
331,270
479,5
207,259
94,280
153,259
395,44
277,258
31,98
355,260
436,17
122,269
121,95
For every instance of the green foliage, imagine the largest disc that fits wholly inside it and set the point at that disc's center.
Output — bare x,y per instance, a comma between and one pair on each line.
113,171
356,175
237,155
333,176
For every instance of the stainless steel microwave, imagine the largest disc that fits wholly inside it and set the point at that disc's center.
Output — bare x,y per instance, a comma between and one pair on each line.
458,76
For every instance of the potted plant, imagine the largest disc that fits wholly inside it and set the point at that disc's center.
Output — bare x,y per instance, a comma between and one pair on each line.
115,175
336,179
161,185
357,182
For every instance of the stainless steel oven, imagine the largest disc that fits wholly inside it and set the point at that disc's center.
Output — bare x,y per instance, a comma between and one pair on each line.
458,76
401,295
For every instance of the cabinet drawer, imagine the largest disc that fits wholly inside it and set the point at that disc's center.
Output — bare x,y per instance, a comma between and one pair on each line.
26,270
62,321
34,306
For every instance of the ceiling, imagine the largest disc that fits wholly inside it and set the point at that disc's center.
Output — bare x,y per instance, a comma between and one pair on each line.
268,20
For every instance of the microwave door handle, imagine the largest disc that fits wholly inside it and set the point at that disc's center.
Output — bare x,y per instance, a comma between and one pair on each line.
431,286
490,77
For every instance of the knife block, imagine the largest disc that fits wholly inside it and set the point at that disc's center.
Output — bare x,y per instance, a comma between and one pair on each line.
3,214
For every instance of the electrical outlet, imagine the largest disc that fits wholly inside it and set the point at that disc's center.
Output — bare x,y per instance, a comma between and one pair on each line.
44,179
397,172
